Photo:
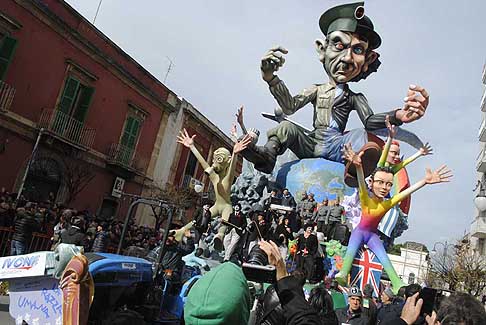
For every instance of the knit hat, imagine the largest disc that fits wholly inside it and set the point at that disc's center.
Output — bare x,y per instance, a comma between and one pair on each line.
221,296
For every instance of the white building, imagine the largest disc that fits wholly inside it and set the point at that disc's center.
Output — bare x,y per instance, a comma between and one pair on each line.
412,263
477,232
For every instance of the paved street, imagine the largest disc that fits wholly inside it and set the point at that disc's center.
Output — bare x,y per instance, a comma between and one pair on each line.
5,318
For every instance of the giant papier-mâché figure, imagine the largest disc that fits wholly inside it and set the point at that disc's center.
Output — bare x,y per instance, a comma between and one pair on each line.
374,206
221,174
348,55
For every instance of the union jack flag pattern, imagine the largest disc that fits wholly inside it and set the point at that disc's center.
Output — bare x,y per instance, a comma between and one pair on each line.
366,269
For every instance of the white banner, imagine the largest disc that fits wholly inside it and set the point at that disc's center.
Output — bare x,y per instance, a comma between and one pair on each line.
23,265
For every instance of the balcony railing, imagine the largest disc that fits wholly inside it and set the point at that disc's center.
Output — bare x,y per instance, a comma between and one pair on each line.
7,94
121,155
478,227
67,128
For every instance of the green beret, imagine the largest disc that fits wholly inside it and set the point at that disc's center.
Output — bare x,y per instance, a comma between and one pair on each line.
350,18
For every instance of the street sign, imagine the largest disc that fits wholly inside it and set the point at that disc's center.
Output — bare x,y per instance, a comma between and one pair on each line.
118,187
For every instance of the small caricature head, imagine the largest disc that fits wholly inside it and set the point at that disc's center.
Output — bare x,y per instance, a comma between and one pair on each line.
221,160
381,182
394,153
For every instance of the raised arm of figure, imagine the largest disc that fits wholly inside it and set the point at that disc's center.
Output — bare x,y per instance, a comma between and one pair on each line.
440,175
355,158
238,147
391,135
188,142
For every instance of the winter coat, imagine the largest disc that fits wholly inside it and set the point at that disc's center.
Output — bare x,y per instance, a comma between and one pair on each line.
358,318
25,224
74,235
101,241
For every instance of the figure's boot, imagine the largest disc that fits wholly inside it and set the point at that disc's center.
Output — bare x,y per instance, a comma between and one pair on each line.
263,157
370,158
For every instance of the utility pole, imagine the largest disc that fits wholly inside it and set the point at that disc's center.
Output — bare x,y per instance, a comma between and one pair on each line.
29,164
171,64
97,10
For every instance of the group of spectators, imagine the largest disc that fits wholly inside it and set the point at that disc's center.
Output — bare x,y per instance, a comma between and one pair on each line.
286,303
67,225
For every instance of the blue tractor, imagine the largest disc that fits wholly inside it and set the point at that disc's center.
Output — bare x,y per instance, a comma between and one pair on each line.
126,292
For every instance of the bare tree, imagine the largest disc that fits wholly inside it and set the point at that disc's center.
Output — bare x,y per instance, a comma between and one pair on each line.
460,268
77,175
181,198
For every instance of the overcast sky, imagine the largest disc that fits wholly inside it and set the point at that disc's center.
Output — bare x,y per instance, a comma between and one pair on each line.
216,48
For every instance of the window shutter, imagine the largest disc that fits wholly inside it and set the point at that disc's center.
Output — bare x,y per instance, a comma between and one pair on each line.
69,95
7,51
126,132
85,98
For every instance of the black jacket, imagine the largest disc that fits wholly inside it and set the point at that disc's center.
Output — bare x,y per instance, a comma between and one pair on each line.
358,318
238,220
101,241
254,232
202,220
288,201
389,312
25,224
296,309
74,235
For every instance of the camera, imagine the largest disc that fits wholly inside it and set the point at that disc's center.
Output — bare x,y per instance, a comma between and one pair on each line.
256,268
431,299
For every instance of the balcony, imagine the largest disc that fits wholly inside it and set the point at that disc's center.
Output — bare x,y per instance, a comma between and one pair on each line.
478,227
7,94
66,128
121,155
482,131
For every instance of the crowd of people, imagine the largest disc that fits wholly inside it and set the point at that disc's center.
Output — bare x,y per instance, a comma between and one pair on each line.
267,228
67,225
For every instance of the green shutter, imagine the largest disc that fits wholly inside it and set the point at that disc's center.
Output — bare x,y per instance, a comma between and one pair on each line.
7,51
69,93
85,96
130,134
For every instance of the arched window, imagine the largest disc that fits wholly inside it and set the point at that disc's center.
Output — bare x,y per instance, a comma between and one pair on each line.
44,177
411,278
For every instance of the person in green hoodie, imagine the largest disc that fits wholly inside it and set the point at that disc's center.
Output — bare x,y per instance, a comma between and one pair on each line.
221,296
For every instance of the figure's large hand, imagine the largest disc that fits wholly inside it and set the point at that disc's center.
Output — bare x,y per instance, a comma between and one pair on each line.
391,128
352,156
239,115
242,144
185,139
272,61
416,103
426,149
441,175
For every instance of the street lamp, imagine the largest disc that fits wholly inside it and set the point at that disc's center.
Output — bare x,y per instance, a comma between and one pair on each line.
446,245
480,199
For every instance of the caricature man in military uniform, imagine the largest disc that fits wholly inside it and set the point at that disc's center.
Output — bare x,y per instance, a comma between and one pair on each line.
348,55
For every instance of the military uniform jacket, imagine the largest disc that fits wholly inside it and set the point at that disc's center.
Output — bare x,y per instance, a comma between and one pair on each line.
307,208
327,106
322,214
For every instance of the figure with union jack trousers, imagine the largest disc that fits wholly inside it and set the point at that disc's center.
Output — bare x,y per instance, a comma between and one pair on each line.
374,206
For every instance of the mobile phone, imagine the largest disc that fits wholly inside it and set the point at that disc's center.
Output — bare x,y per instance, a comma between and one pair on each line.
428,295
260,273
